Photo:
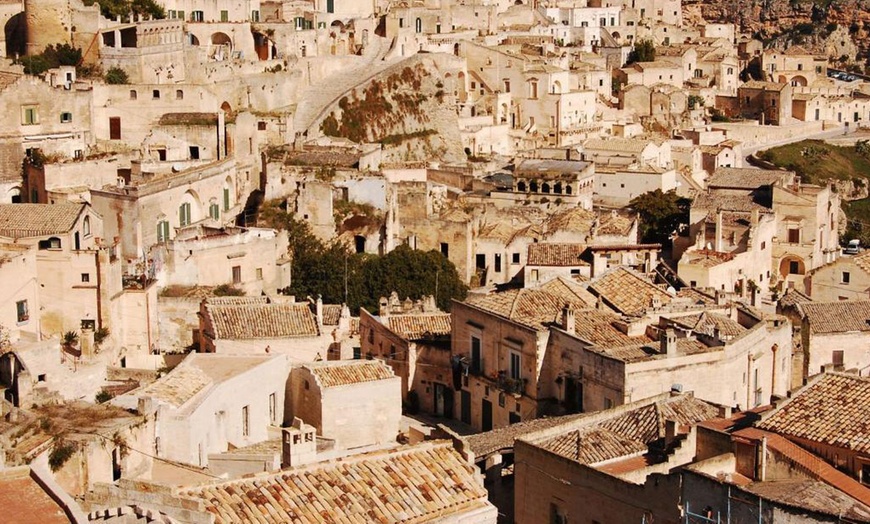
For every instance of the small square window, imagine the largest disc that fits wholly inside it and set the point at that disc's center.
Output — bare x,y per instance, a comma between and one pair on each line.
261,126
515,258
86,277
155,94
22,311
29,115
846,277
65,118
259,273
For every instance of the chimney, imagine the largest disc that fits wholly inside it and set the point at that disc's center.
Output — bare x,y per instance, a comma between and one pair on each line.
718,245
656,302
318,311
754,217
720,298
384,307
599,304
299,444
568,323
668,339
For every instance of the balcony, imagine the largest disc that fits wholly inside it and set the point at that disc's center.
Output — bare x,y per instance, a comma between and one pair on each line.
513,386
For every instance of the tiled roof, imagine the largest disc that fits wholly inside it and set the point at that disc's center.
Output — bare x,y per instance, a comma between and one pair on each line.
743,178
628,292
575,220
178,386
793,297
281,320
714,200
533,307
422,483
25,501
812,495
344,373
30,220
614,224
598,327
837,317
831,410
863,260
760,84
593,445
552,254
619,145
811,464
415,327
707,322
331,314
696,296
482,444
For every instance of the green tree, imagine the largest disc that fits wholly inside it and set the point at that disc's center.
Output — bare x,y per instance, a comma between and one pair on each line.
112,9
643,51
661,214
116,75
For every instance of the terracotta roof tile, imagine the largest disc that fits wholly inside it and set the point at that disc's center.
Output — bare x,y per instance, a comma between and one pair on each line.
331,314
30,220
415,484
707,323
832,410
628,292
837,317
743,178
593,445
551,254
415,327
344,373
178,386
253,321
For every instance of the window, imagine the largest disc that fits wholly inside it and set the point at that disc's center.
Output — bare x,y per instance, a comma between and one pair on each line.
163,231
497,262
237,274
392,352
51,243
194,152
155,94
507,86
23,313
225,16
115,128
445,249
261,126
272,405
846,277
226,199
401,23
794,235
86,277
65,117
196,16
246,422
86,227
534,275
255,16
476,361
259,273
357,353
418,26
607,403
515,258
184,214
557,514
214,211
533,89
794,267
29,115
515,369
179,94
837,357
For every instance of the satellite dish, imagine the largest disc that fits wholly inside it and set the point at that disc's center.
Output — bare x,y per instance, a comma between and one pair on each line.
176,168
672,291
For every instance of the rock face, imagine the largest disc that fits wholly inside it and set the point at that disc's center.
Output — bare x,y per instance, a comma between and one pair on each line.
794,22
406,109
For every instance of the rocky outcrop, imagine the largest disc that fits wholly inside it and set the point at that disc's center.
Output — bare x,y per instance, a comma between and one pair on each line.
822,27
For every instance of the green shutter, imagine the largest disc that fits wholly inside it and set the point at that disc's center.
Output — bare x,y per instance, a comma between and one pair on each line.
226,199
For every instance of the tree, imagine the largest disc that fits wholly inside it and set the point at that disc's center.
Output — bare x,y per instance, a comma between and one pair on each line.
116,75
112,9
643,51
661,214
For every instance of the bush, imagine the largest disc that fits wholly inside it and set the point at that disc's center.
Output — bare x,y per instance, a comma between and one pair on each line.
62,452
117,76
103,396
100,335
228,290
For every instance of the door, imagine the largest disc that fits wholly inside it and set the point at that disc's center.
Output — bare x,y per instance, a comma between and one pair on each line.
465,400
115,128
573,395
486,416
439,400
76,241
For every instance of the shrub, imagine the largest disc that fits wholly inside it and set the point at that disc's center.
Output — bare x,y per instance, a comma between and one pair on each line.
117,76
61,453
228,290
100,335
103,396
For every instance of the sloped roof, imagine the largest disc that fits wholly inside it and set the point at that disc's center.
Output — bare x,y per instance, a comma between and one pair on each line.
31,220
537,307
413,484
837,317
556,254
575,220
708,323
593,445
831,410
628,292
345,373
619,145
254,321
415,327
24,500
744,178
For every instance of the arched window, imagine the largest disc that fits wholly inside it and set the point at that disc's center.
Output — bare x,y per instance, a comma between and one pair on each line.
228,184
521,186
133,94
568,190
214,210
86,227
179,94
545,188
557,188
533,186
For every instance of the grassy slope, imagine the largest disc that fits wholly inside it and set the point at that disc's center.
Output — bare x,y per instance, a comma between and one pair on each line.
824,161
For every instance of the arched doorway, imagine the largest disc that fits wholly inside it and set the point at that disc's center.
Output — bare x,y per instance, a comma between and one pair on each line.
222,46
791,265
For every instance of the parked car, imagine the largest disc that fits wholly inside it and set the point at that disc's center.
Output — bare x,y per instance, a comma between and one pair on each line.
853,247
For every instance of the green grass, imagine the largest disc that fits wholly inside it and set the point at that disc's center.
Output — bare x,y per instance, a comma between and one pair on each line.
816,161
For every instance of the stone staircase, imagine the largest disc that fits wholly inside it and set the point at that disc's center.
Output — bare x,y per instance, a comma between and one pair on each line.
318,97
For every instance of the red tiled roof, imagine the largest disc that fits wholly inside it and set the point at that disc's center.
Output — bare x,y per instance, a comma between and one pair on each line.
344,373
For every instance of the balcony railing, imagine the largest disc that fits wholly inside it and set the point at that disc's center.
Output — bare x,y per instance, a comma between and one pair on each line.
514,386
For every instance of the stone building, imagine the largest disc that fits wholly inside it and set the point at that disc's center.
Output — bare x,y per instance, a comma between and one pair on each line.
416,344
835,334
846,278
353,403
